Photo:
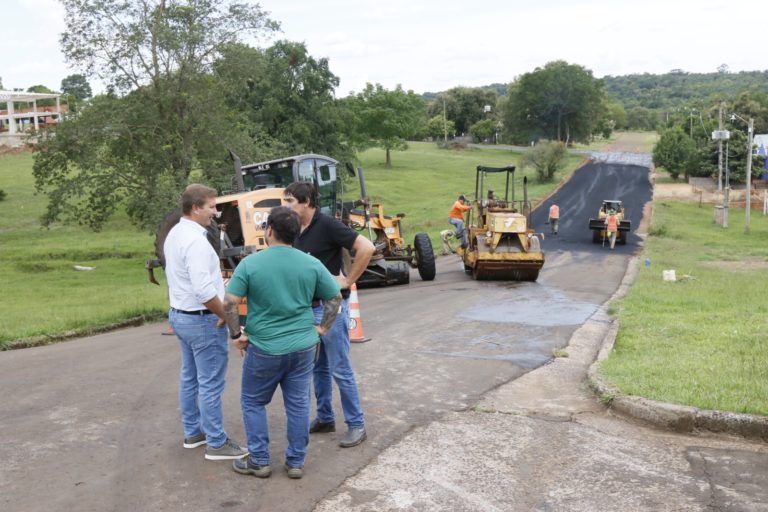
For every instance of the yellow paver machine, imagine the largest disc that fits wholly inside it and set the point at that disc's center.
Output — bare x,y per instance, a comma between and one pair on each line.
501,246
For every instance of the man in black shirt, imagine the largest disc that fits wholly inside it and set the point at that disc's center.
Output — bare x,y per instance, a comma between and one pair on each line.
324,238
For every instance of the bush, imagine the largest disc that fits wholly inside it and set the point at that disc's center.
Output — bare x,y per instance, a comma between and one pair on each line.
2,194
546,158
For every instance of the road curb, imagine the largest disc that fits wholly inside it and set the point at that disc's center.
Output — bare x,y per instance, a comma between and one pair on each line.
668,416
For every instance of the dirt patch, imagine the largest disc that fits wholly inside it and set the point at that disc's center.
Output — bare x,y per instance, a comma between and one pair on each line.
5,150
633,142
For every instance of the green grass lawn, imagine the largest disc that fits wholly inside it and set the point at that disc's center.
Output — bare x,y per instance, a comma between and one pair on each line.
703,340
43,296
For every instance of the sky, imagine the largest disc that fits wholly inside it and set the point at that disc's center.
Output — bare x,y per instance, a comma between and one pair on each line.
431,45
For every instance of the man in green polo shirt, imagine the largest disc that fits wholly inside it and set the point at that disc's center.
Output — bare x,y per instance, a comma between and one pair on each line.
279,284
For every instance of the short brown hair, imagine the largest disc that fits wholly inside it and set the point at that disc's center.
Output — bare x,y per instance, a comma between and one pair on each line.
195,195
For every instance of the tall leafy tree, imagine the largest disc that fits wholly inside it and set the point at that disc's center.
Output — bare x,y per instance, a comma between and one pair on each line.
674,152
289,94
465,106
388,118
156,57
560,101
76,86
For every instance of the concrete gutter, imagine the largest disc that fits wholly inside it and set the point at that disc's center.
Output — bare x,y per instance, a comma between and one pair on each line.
678,418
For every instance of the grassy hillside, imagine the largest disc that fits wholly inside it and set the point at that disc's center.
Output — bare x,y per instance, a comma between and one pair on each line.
45,297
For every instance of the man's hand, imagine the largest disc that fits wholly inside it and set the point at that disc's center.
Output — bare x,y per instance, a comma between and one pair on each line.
241,343
320,330
221,322
343,281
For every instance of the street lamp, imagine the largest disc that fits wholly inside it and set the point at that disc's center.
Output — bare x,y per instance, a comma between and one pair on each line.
750,130
720,136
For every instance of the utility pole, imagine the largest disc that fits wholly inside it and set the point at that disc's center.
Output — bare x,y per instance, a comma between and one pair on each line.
690,130
445,123
727,189
720,152
748,204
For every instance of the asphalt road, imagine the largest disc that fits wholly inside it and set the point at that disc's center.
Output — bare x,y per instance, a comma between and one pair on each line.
92,424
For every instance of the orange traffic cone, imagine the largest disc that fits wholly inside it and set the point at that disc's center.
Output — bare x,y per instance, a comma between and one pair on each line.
355,324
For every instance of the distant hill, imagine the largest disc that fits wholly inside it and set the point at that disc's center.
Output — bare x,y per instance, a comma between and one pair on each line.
670,89
678,87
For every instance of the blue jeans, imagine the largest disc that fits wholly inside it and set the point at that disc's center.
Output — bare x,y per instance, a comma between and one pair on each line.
461,234
204,356
334,361
261,374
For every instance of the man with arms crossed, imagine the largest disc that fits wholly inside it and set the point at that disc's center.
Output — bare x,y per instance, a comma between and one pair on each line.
280,336
324,238
196,291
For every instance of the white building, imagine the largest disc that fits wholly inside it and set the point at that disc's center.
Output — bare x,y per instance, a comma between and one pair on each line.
25,115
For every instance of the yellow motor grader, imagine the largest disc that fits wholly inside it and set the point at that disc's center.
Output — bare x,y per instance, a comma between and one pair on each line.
392,259
501,246
239,228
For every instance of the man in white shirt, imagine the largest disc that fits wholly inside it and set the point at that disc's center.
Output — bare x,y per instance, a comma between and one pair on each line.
196,291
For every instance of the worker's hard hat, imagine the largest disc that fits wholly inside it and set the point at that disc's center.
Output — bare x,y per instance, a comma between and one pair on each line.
612,211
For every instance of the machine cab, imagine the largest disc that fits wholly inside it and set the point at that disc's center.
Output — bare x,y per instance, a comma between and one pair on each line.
259,188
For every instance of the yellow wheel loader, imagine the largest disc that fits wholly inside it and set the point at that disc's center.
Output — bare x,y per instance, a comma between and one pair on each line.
597,225
501,246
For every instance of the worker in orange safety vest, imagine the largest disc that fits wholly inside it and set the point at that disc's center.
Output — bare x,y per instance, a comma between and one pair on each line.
612,227
554,218
456,217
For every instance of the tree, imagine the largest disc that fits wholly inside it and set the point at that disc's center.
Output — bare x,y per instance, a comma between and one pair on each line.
439,128
388,118
171,119
41,89
288,93
464,105
674,151
546,158
560,101
483,130
77,87
617,114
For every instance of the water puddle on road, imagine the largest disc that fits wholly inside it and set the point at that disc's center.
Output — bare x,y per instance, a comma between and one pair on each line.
532,304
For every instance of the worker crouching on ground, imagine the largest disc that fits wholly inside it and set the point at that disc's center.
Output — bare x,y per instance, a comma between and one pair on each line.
612,227
456,217
280,338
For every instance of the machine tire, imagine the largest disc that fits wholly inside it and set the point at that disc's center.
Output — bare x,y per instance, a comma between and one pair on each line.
425,256
171,220
596,238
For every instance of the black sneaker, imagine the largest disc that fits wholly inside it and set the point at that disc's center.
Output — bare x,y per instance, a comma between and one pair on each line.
322,427
194,441
294,471
228,451
244,466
